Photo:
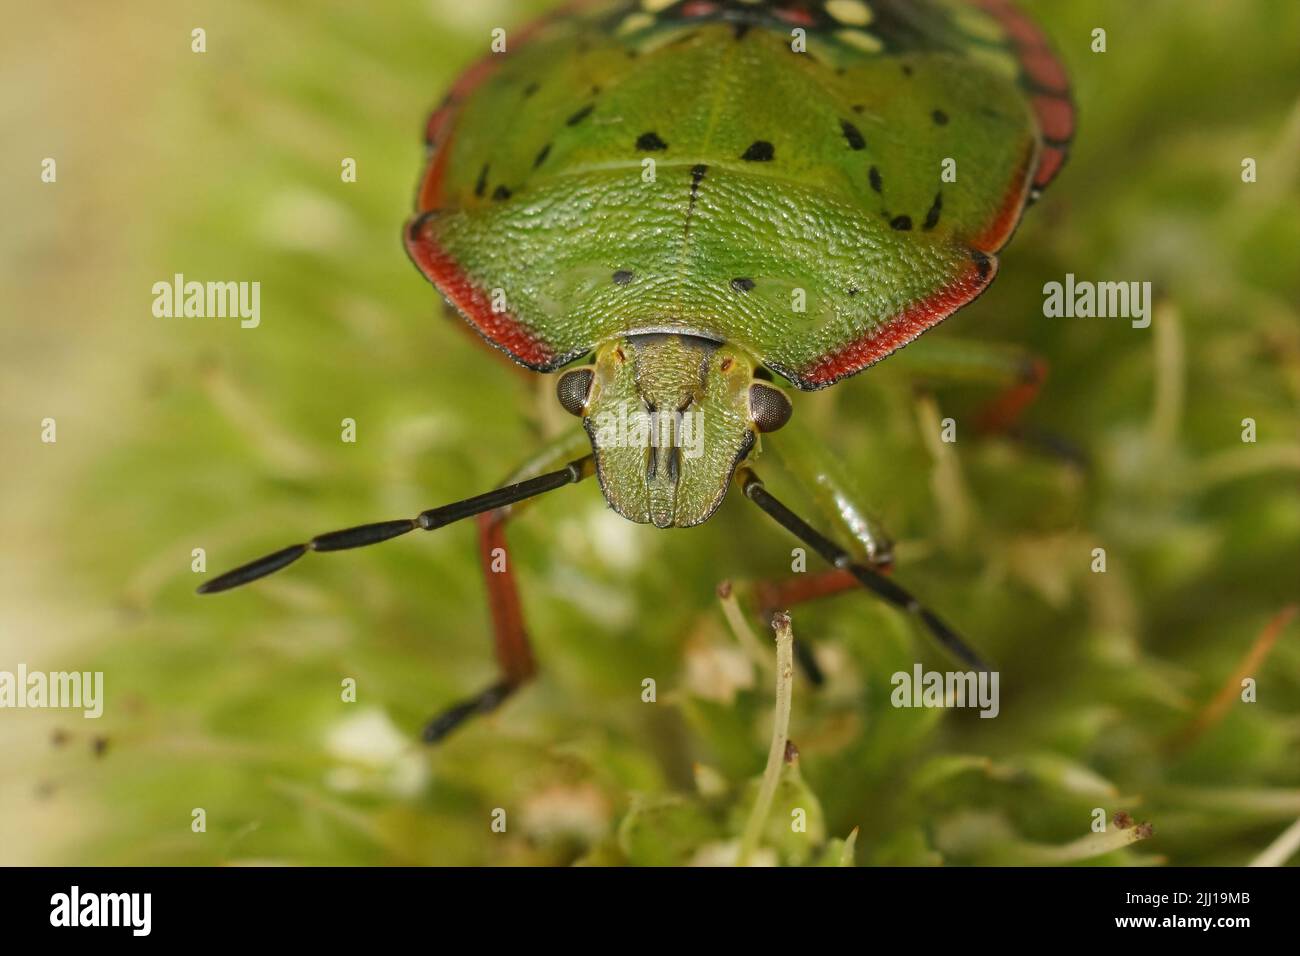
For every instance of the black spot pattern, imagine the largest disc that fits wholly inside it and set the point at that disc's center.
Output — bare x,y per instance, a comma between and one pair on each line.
541,155
876,182
480,187
940,118
650,143
581,115
932,217
501,193
759,151
623,277
743,285
853,135
901,223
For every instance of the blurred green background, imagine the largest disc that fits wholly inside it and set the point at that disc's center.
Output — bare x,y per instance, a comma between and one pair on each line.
176,434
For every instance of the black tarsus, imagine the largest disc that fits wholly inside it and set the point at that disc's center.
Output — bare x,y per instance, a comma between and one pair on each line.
873,581
483,702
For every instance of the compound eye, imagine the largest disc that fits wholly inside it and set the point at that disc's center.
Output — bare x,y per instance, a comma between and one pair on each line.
769,407
574,389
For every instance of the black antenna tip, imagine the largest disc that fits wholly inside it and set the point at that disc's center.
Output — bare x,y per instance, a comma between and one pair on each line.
253,570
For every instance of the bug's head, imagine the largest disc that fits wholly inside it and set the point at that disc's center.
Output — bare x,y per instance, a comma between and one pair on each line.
670,417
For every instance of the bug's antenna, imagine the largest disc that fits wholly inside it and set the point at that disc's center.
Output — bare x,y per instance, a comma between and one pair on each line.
367,534
873,581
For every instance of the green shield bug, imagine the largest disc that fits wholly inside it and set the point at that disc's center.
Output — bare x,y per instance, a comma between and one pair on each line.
674,203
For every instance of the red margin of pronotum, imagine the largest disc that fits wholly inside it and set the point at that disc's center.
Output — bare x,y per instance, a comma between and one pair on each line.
903,328
500,328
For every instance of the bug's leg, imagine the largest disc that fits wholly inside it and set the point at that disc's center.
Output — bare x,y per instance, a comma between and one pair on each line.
835,494
554,468
510,637
836,498
778,595
1016,374
863,573
773,596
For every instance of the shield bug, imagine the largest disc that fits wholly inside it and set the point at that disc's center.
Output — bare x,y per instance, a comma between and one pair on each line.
674,205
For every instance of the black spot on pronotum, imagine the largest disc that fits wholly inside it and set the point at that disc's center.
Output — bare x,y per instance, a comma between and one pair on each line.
501,193
932,217
650,143
531,88
581,115
982,264
743,284
853,135
623,277
901,223
876,182
907,69
759,151
480,187
541,156
940,118
859,108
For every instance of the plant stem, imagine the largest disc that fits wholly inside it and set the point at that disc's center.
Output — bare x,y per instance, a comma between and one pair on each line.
1281,849
735,616
780,735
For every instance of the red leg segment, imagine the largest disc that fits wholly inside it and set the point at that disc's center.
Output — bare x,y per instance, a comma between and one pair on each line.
514,653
